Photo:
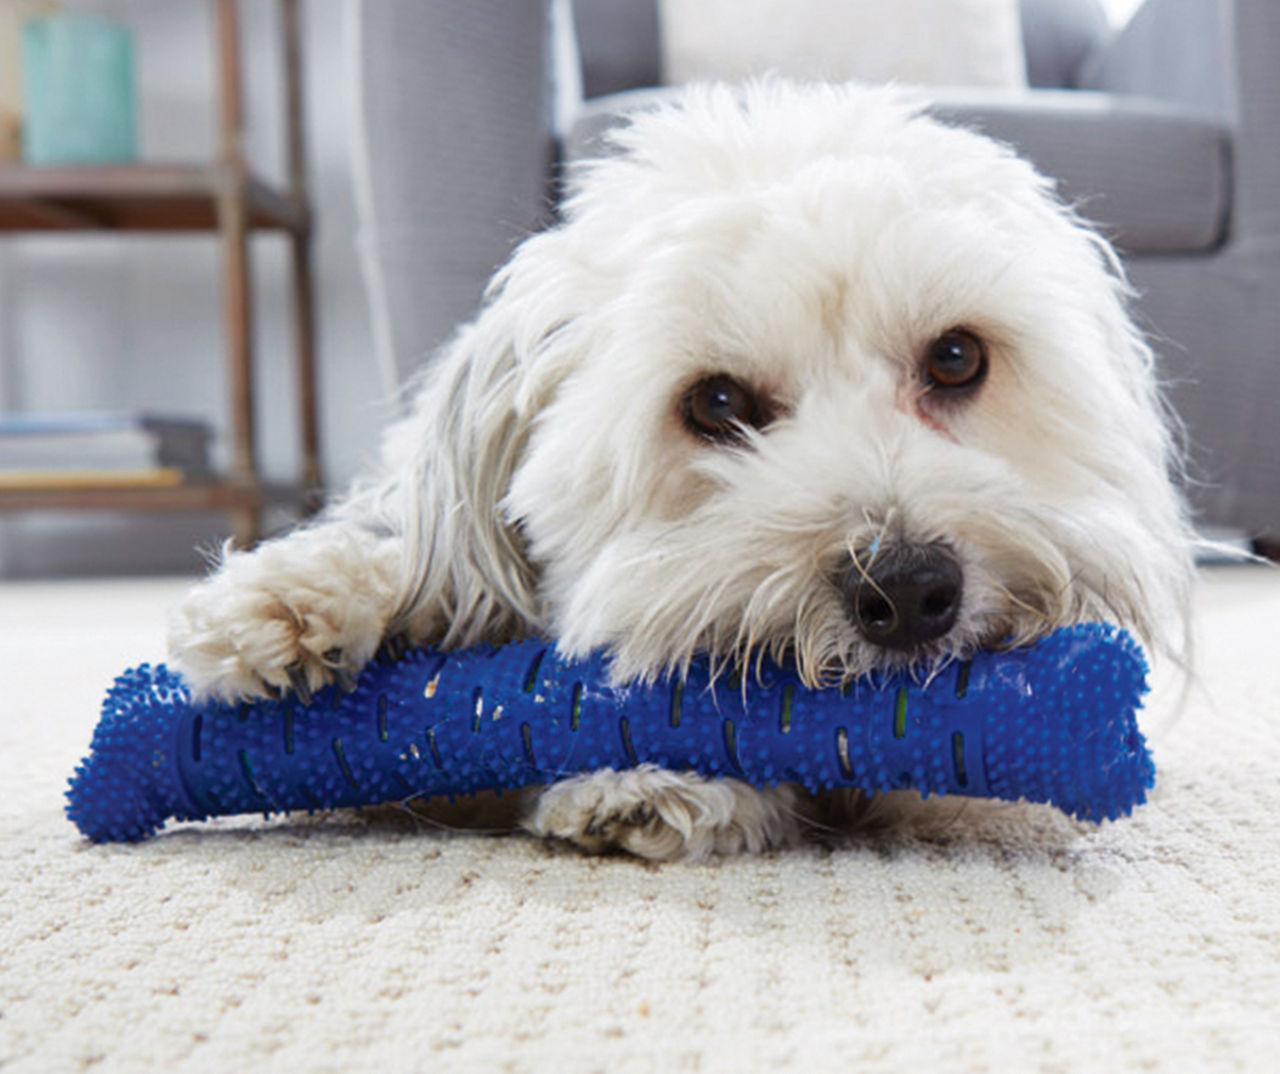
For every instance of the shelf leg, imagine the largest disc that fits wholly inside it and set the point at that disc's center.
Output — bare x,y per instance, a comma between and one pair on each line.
300,248
233,226
304,328
238,321
237,302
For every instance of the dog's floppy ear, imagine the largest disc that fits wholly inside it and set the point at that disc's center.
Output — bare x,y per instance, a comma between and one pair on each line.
465,574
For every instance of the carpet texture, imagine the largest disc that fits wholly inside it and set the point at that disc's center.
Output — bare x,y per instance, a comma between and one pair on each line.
999,938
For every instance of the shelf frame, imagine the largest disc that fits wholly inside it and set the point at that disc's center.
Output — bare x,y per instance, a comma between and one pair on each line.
193,496
138,197
220,196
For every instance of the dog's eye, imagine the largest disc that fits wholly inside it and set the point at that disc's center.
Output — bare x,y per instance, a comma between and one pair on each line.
956,359
719,408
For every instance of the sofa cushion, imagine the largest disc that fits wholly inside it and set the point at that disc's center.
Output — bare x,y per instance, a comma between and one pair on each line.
1156,179
933,42
619,42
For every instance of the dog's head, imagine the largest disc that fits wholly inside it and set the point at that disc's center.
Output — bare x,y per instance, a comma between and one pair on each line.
803,369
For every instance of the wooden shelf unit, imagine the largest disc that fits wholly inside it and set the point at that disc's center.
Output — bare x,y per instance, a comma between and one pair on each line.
138,197
220,196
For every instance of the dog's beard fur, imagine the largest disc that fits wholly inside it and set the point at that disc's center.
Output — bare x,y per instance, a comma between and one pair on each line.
809,242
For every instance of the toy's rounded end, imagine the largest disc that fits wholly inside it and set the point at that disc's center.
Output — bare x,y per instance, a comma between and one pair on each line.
108,810
1079,748
128,785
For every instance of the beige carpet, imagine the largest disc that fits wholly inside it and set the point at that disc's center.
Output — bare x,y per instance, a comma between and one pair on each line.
1008,940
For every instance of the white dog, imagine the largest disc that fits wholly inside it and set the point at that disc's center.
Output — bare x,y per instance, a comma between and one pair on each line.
801,371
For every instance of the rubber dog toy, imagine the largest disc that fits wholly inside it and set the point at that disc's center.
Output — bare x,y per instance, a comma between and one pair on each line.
1053,722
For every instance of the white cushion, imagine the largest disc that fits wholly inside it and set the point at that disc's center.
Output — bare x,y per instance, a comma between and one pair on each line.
935,42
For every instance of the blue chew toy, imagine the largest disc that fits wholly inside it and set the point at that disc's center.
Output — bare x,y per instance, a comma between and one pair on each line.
1054,722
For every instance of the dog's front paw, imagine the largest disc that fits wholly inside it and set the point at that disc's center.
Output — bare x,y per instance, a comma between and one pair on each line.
662,815
290,616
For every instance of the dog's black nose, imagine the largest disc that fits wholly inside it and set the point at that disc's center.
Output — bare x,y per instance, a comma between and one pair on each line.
905,595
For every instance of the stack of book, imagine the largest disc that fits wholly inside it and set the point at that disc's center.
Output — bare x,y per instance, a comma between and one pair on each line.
99,449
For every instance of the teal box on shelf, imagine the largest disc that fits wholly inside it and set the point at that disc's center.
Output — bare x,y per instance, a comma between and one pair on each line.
79,91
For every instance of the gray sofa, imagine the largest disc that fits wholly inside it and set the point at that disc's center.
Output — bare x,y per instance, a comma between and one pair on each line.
1166,134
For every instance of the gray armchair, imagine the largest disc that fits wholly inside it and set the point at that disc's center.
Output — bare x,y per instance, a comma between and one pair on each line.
1166,134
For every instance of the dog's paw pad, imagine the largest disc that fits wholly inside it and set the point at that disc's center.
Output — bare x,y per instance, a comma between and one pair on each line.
661,815
613,827
251,632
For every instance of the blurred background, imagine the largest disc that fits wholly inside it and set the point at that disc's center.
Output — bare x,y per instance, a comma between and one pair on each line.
433,133
128,322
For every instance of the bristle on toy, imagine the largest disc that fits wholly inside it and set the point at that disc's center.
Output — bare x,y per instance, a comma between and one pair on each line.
1053,722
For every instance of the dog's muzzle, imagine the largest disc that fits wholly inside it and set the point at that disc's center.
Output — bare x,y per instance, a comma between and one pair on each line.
903,596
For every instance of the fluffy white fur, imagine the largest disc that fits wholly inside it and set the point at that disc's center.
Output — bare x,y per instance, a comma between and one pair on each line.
809,241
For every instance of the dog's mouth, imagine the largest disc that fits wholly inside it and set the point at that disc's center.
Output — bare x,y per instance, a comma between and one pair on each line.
912,604
880,598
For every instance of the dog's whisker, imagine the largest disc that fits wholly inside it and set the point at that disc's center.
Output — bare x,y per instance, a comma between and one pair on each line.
422,818
1011,598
